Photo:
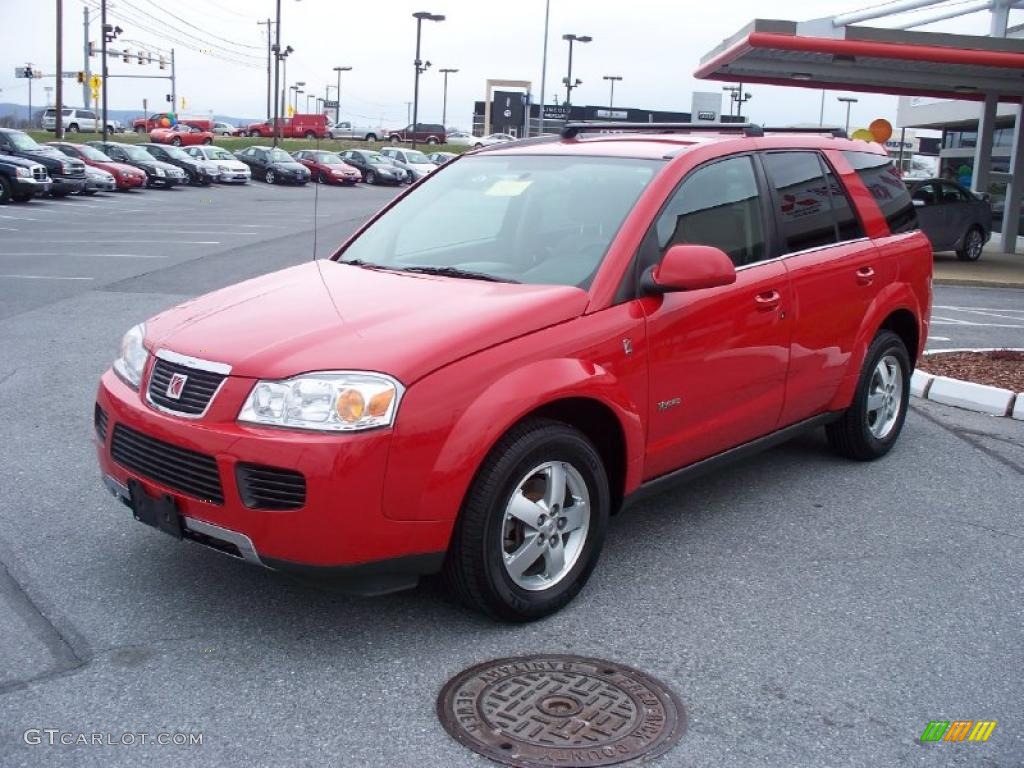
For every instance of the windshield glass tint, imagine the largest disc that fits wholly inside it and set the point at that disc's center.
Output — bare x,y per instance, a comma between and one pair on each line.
533,219
329,158
92,153
137,153
379,159
177,154
280,156
220,154
22,141
415,157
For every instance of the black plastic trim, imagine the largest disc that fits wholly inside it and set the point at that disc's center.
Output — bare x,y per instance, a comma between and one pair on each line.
378,577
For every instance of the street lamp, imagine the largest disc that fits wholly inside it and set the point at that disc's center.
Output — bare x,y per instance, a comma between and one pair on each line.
308,97
295,105
279,57
421,67
612,79
444,102
569,84
738,97
848,100
337,109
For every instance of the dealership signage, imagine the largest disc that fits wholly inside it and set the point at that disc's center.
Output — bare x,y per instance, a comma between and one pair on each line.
612,114
707,114
556,112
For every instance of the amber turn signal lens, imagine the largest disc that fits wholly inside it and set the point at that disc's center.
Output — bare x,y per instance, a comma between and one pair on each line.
380,402
350,405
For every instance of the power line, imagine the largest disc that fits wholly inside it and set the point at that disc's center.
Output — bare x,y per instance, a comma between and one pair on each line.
190,24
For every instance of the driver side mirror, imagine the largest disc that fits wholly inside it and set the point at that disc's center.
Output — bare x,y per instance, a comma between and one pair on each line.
689,268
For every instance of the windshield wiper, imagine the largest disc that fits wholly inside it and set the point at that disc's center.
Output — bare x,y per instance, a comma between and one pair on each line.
365,264
456,272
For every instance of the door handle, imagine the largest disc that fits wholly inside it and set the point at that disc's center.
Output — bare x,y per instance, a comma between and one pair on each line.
865,275
767,301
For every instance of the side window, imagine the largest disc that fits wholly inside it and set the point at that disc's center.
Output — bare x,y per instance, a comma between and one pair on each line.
718,205
848,224
951,194
880,176
803,199
925,195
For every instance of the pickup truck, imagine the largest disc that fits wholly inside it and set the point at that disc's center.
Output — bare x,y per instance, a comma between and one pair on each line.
345,130
21,179
66,173
296,127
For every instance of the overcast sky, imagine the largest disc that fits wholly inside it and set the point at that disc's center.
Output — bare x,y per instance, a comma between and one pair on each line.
654,45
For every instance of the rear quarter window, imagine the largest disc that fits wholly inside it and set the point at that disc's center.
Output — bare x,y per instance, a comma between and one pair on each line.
880,176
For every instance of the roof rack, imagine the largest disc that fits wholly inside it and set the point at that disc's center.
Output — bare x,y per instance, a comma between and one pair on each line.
572,130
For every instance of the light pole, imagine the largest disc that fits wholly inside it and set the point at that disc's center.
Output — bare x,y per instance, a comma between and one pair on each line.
612,79
337,109
848,100
731,90
298,90
308,97
444,101
543,70
420,67
280,102
569,84
279,57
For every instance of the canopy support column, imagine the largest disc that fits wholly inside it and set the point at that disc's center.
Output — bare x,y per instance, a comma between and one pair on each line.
983,149
1015,189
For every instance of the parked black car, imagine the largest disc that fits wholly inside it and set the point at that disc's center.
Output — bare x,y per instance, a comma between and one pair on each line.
21,179
158,173
197,173
67,174
376,168
273,165
953,218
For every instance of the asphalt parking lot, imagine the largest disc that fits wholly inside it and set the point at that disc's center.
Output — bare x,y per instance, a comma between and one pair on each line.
808,611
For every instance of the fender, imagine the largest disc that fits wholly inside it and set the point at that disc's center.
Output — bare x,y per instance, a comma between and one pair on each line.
432,465
893,297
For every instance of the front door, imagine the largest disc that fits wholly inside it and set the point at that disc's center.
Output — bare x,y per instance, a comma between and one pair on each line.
718,357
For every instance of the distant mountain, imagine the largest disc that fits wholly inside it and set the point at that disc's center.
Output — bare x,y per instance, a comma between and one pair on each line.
18,113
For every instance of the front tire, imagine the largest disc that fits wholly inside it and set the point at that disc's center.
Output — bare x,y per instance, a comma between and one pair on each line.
974,243
533,523
310,135
371,177
73,128
371,137
869,428
269,177
5,190
176,141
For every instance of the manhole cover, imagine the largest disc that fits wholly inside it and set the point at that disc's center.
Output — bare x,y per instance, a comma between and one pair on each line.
540,711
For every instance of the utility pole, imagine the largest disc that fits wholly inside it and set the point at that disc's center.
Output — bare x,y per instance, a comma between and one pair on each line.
86,97
268,22
58,120
444,102
420,67
277,85
103,63
174,86
543,71
337,93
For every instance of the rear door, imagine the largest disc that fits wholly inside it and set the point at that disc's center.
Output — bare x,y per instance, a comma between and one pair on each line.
717,357
835,272
958,212
927,199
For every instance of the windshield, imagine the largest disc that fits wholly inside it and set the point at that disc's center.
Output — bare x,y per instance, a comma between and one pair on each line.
329,158
378,159
414,157
528,218
219,154
137,153
280,156
22,141
92,153
177,154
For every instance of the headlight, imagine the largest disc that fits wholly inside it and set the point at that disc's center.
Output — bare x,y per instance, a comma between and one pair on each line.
223,169
66,168
132,361
160,172
25,173
331,401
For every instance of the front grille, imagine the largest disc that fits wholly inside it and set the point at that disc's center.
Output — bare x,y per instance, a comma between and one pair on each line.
39,173
99,420
194,474
270,487
199,389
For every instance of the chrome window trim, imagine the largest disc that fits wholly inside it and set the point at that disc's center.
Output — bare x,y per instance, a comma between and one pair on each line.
806,250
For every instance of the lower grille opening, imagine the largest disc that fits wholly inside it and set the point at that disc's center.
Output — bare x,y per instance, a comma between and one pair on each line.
180,469
270,488
212,542
99,421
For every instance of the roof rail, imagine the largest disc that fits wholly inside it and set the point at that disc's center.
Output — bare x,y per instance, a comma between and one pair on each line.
571,130
542,139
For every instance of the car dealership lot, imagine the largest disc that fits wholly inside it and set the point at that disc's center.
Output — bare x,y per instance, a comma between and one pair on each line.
806,609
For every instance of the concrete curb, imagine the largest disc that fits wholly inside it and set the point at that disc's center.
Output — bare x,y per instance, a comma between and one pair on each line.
966,394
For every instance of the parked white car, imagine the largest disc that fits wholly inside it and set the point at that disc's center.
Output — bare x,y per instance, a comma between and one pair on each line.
231,169
412,160
346,130
493,138
223,129
460,138
75,120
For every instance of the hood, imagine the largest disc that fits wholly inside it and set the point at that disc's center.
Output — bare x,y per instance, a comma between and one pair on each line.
53,154
339,167
328,316
23,162
168,167
288,166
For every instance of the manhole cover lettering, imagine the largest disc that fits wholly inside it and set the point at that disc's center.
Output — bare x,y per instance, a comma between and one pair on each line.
541,711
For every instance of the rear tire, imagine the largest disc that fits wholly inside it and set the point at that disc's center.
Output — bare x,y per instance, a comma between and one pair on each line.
432,140
73,128
869,428
207,141
974,243
541,467
310,134
176,141
371,137
140,129
254,134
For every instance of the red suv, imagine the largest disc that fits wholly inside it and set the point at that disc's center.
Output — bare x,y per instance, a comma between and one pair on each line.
509,351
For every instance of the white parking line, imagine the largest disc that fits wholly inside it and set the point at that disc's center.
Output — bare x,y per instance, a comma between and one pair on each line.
938,338
977,309
952,321
45,277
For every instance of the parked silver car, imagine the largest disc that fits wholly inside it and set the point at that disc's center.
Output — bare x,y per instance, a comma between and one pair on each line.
230,168
75,120
98,180
414,162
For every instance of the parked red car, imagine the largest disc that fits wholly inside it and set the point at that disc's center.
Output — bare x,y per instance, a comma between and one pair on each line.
517,345
147,124
302,126
180,135
125,176
327,167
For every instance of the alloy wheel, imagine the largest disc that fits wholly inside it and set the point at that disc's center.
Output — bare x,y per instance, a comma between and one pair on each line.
885,397
545,525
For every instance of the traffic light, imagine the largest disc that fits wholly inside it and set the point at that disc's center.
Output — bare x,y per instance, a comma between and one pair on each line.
142,57
125,56
163,65
92,49
81,77
170,99
26,72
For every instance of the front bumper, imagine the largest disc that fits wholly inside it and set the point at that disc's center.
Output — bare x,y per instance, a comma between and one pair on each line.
100,185
130,182
65,185
234,177
339,531
164,181
23,186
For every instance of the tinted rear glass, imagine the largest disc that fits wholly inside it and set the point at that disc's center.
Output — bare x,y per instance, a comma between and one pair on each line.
880,176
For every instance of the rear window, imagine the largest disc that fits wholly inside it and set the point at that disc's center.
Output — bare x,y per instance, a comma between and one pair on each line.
880,176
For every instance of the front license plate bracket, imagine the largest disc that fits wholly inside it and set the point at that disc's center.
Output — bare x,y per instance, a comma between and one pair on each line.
160,512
